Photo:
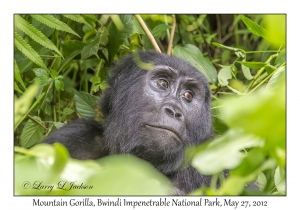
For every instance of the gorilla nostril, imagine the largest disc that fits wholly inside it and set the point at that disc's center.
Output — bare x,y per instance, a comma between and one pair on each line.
170,112
178,115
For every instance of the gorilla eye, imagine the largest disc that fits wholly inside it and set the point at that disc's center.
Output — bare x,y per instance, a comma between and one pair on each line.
188,96
162,83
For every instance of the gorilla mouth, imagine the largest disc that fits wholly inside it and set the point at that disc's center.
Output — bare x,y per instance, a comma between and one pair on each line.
166,129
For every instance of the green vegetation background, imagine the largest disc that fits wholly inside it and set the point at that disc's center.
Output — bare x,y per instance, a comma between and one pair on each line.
60,66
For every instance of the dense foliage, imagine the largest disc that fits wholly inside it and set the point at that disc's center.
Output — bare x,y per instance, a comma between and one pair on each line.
60,66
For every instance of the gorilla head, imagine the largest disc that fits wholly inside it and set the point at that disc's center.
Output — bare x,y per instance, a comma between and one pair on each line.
154,114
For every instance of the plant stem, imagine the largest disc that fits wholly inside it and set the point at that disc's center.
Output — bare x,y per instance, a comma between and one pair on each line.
144,26
172,35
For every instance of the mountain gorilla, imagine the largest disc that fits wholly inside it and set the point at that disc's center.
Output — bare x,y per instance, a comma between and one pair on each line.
152,114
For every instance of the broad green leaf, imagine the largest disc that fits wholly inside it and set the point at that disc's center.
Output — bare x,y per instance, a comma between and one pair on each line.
254,27
32,133
53,73
158,30
263,114
224,75
17,74
91,49
253,65
112,175
129,175
42,76
116,37
35,34
59,85
261,181
78,18
52,22
279,179
85,104
276,77
28,51
68,111
246,71
95,79
194,56
223,152
39,72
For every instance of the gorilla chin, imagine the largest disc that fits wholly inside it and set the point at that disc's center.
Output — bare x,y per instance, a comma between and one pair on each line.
165,134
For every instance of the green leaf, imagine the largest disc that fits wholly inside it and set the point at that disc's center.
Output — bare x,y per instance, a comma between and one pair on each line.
246,71
85,104
52,22
158,30
129,175
28,51
16,88
281,58
116,37
224,75
78,18
35,34
194,56
262,114
42,76
68,111
68,60
280,179
32,133
95,79
17,74
276,77
239,182
113,175
254,27
253,65
223,152
59,85
91,49
261,181
39,72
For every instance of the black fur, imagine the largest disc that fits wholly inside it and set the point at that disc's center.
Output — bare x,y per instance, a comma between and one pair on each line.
144,118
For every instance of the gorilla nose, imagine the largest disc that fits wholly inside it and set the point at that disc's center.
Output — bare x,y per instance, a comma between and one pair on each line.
173,111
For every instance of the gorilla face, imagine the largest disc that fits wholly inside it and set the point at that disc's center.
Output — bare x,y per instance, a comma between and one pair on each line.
155,114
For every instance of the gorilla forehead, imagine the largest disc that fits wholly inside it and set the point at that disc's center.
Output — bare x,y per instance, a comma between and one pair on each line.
183,67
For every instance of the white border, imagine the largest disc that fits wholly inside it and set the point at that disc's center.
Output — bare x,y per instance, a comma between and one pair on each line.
8,8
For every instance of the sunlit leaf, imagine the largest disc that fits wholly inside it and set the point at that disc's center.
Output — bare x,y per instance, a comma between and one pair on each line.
35,34
280,179
85,104
32,133
194,56
52,22
254,27
28,51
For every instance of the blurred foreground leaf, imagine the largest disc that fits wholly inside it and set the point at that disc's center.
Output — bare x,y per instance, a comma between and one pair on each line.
43,166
